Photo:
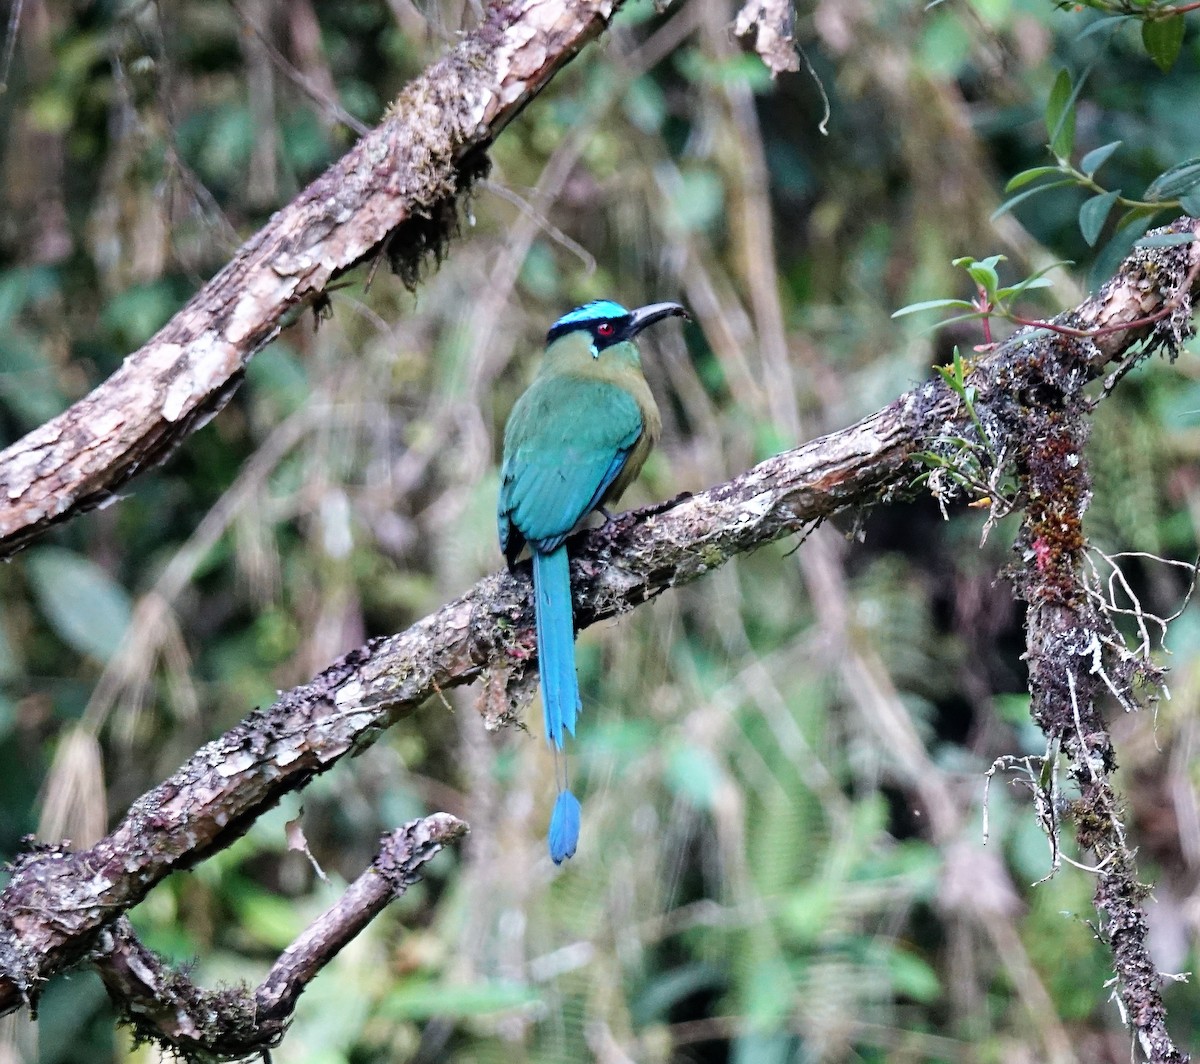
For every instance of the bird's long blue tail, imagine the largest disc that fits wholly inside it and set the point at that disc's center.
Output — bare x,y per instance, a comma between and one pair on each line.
556,643
560,685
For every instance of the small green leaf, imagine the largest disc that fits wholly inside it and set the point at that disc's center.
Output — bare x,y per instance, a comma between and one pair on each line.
1177,181
1024,286
1034,280
1032,174
1137,216
949,379
1060,115
1094,213
1097,157
1190,202
1163,38
1010,203
984,274
1056,105
86,608
1064,140
974,316
1165,240
931,304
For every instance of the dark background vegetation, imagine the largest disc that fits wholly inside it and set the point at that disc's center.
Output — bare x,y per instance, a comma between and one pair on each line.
758,880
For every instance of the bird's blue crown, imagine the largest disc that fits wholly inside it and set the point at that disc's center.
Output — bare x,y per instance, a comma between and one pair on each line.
596,310
602,318
609,323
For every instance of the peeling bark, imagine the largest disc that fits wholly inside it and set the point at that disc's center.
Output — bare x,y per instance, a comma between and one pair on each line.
774,40
409,171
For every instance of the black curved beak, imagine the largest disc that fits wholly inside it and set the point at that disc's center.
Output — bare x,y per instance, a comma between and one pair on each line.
648,315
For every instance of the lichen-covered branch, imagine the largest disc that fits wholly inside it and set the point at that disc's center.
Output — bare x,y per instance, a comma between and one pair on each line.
57,902
164,1004
394,192
1077,657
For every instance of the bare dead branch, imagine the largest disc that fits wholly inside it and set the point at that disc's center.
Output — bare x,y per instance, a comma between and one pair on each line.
397,188
163,1003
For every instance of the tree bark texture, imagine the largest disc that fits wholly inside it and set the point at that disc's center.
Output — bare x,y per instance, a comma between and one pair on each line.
407,172
164,1004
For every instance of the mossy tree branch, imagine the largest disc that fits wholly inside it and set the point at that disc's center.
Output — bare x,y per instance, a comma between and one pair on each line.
394,193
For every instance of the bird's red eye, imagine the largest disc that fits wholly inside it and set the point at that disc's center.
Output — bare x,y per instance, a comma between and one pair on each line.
606,329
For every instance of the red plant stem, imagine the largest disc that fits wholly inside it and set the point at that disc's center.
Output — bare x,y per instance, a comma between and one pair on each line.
1169,307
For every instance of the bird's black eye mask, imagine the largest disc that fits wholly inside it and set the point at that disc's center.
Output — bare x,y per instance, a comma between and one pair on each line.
604,331
609,323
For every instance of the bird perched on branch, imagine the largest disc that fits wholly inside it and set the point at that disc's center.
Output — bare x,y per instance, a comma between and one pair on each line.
576,439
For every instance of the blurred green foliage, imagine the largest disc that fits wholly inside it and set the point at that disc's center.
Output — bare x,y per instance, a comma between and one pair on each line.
761,877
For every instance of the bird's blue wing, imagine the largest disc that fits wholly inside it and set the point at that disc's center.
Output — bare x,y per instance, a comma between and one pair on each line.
568,440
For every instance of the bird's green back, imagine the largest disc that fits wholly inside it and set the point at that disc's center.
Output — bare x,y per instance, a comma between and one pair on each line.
578,436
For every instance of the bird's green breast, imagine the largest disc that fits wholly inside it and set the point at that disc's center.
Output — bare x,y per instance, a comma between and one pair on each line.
574,356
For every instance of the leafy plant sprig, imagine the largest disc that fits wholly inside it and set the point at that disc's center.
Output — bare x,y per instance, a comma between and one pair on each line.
1176,189
995,301
955,376
991,298
1162,24
967,465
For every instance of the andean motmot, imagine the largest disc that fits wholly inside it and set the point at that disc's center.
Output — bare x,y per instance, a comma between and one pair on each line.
575,440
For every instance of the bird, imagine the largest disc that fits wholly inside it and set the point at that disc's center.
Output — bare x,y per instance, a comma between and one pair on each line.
576,439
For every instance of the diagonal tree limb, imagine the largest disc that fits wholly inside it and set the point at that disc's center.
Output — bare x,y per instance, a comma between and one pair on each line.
163,1004
58,901
395,190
